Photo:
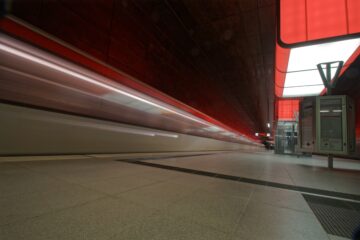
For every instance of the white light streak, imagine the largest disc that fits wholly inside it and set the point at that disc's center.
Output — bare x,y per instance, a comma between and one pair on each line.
9,49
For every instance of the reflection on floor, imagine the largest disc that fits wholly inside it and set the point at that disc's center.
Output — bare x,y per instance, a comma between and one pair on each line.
99,198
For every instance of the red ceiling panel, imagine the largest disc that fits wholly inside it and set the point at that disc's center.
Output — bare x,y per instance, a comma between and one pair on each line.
293,21
326,18
287,109
353,8
307,20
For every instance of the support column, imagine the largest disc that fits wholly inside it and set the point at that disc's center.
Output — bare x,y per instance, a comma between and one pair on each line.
330,161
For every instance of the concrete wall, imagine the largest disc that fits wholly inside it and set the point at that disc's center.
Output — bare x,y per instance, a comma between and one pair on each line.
27,131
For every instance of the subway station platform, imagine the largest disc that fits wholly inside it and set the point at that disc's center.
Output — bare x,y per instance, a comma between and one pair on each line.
150,120
219,195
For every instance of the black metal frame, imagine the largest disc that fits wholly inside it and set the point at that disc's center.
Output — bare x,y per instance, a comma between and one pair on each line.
326,78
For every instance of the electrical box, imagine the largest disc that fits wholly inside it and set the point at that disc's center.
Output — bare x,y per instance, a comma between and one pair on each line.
335,125
327,125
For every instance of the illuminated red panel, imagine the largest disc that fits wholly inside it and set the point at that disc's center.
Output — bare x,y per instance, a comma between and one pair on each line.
326,18
353,8
287,109
293,21
305,20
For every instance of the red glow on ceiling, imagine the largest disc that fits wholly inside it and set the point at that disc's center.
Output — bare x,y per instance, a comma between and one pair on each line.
287,108
306,20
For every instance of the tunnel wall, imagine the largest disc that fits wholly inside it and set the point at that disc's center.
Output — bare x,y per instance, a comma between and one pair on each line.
122,35
28,131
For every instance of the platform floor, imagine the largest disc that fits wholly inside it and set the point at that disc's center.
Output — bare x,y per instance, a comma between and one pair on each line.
100,198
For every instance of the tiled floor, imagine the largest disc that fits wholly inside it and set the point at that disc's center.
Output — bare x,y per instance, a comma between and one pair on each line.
302,171
99,198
